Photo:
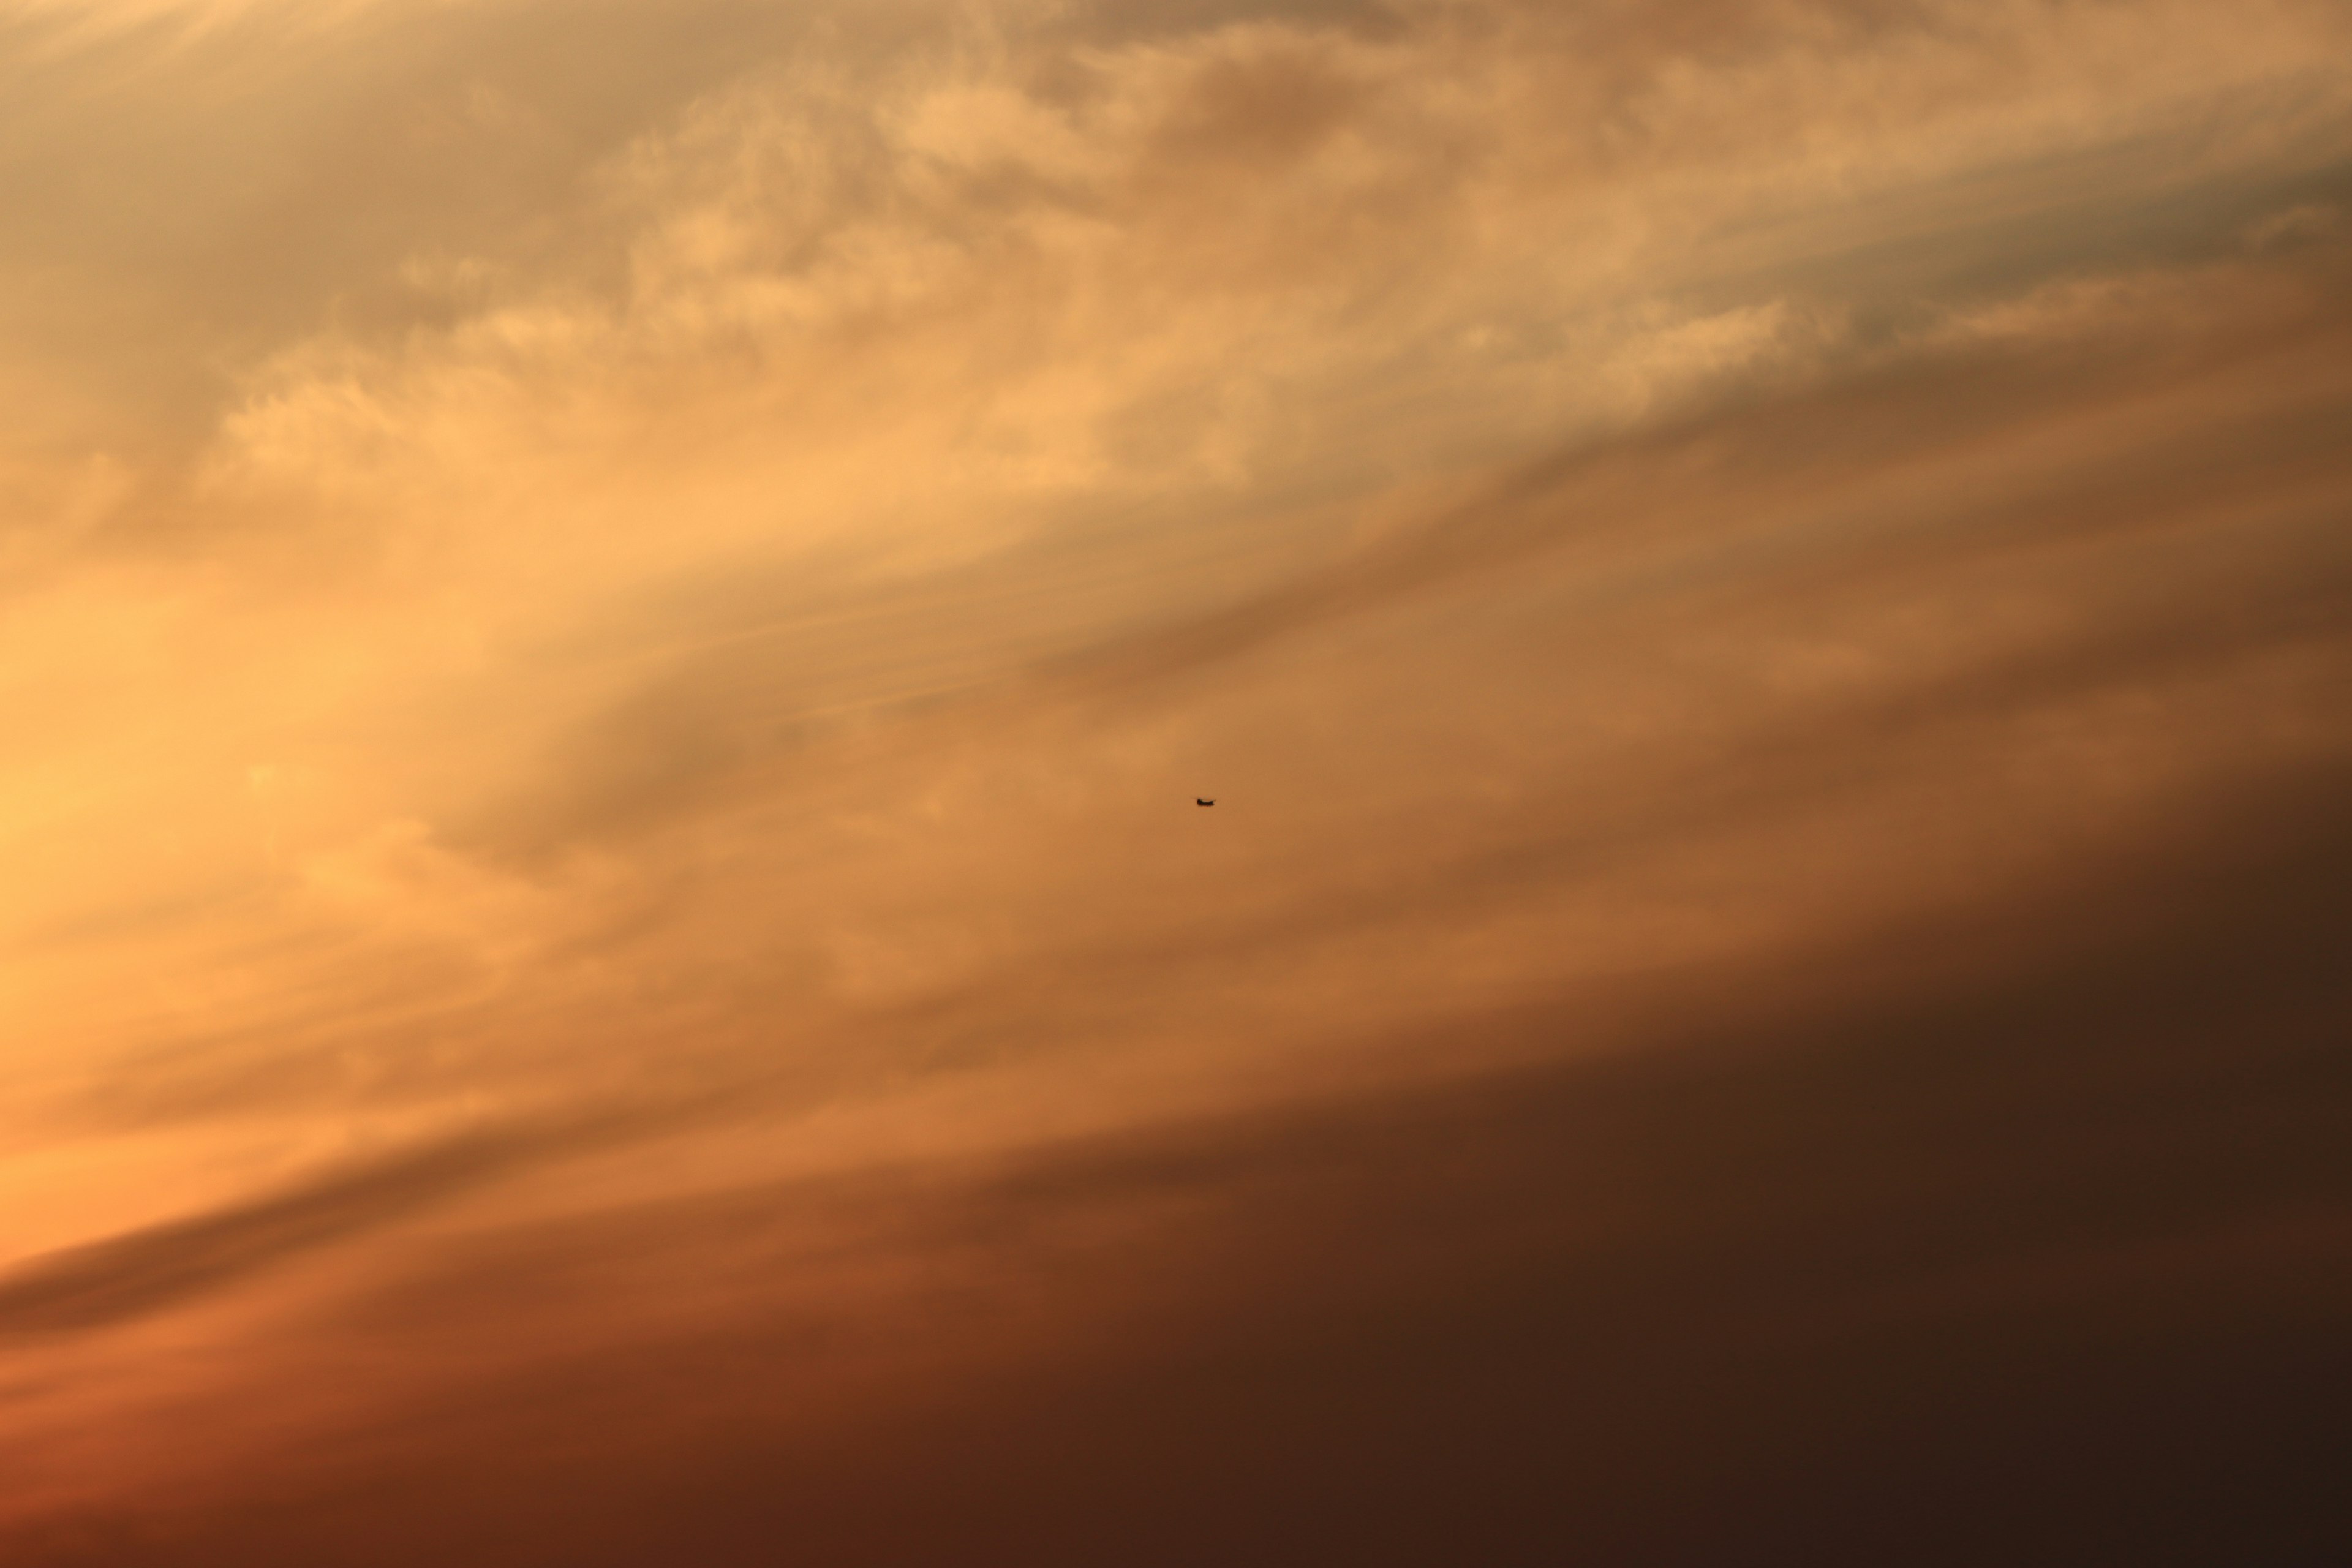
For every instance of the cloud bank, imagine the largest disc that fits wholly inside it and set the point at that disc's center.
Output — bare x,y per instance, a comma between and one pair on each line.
609,617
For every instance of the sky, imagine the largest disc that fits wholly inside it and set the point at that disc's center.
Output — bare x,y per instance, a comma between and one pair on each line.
612,615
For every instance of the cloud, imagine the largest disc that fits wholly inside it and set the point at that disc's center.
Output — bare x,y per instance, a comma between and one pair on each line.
613,614
1792,1217
149,1271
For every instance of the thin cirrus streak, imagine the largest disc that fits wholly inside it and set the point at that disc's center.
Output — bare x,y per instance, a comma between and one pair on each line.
612,619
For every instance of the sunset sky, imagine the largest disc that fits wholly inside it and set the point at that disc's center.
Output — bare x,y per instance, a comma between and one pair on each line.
612,613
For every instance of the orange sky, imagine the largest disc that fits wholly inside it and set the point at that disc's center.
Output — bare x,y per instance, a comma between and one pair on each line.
611,615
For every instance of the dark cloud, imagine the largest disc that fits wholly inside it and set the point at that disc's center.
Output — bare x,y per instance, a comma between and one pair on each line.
135,1276
2059,1218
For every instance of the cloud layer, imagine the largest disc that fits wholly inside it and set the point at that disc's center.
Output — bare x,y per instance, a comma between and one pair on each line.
609,617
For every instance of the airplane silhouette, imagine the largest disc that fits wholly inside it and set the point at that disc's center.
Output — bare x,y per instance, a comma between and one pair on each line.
1197,801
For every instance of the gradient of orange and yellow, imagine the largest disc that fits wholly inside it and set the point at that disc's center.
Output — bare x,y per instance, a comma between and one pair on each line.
611,614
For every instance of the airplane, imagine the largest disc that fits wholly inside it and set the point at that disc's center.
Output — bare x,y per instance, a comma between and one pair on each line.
1198,801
